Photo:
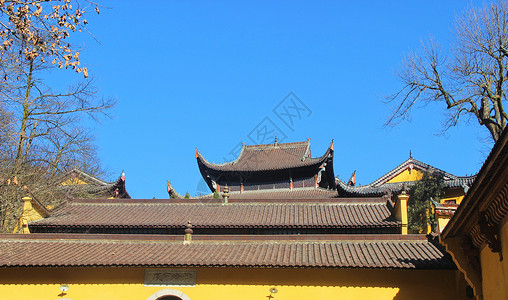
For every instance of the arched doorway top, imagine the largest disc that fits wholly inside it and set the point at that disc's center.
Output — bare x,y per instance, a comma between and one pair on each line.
168,292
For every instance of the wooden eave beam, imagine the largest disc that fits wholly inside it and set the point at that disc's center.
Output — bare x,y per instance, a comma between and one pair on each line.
489,181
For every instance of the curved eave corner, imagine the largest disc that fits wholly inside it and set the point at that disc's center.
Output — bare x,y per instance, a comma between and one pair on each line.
119,189
329,165
201,159
203,165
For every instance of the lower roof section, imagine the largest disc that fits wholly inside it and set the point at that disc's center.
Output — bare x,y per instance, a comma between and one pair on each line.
369,214
314,251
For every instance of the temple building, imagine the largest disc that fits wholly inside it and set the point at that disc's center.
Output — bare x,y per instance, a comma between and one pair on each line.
402,177
74,184
272,170
279,230
477,234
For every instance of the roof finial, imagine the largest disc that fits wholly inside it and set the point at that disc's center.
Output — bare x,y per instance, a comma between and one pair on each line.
197,152
410,154
188,233
225,195
352,179
275,143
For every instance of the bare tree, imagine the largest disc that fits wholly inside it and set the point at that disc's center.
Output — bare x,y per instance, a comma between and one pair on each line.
43,129
40,29
6,128
44,134
470,78
48,121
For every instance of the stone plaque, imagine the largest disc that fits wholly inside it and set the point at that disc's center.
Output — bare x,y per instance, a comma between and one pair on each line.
170,277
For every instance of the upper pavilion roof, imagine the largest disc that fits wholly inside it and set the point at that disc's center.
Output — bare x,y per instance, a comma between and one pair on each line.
268,157
282,193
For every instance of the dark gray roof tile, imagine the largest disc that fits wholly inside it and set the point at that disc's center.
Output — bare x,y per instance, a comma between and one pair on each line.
166,214
380,251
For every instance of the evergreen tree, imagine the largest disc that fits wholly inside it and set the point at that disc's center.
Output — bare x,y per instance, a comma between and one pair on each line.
419,205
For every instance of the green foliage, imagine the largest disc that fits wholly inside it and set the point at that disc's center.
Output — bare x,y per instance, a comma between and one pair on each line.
215,194
186,196
419,205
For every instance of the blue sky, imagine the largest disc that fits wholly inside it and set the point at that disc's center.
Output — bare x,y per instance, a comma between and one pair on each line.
206,74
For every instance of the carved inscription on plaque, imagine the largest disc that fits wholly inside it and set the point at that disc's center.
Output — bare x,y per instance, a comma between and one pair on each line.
165,277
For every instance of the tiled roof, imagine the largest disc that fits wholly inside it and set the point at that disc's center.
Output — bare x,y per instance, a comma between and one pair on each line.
345,190
476,226
411,162
381,251
370,190
167,214
444,209
96,186
486,201
460,181
89,179
269,157
296,193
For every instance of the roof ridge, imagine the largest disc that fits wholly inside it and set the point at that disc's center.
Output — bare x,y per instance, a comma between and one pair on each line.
279,145
392,173
221,242
388,237
93,178
231,204
284,189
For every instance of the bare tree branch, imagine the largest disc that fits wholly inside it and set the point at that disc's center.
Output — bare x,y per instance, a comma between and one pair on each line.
471,81
43,132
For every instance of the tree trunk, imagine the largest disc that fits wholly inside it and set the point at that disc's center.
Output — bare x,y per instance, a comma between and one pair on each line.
24,122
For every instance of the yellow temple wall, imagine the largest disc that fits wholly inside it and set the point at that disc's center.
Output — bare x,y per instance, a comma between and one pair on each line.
30,213
401,212
495,271
456,194
231,283
406,175
442,221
